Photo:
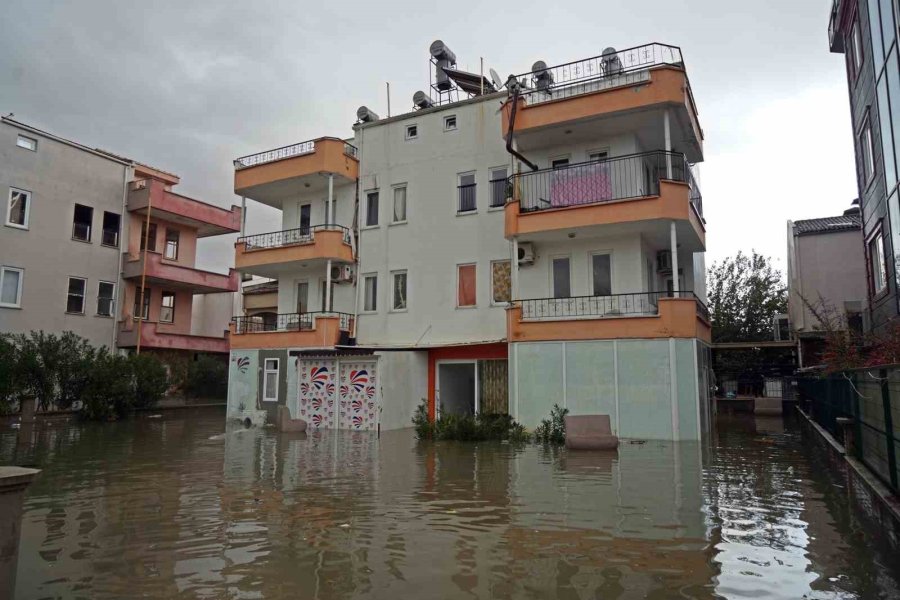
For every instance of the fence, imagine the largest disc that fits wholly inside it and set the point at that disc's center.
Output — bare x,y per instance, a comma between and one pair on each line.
287,322
613,305
871,398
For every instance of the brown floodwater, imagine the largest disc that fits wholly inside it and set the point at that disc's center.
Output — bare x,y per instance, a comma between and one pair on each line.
184,507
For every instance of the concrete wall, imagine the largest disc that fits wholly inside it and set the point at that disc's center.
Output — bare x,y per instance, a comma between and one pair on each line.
58,175
404,385
211,313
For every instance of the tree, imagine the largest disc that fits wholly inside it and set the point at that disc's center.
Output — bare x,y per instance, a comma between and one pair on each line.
745,293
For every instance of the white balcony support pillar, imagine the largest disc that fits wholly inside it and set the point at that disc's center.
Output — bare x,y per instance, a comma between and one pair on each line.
667,132
514,269
330,216
674,241
328,284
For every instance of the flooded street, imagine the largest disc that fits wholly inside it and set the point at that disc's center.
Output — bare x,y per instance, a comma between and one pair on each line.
180,507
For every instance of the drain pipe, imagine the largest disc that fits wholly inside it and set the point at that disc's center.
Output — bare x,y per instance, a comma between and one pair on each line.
144,265
512,126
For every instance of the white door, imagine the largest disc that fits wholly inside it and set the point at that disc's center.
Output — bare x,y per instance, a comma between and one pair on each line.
270,380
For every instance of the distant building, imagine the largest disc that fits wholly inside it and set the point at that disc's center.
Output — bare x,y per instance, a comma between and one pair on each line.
261,302
75,249
489,251
865,31
826,272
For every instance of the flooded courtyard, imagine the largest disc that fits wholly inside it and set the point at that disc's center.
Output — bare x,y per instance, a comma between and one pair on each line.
184,507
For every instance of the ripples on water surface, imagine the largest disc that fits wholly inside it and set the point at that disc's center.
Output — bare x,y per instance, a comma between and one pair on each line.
181,508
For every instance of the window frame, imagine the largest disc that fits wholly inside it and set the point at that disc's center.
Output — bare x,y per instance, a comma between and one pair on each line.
177,243
459,267
492,180
69,294
266,372
877,235
9,200
365,278
90,226
377,223
459,187
591,256
866,147
148,296
103,229
146,237
394,189
162,306
21,285
112,299
411,127
30,148
455,126
405,274
857,54
553,259
501,302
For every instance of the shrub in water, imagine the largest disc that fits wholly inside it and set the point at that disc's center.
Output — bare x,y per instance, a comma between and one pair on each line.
553,430
150,379
7,374
467,428
109,390
423,426
207,377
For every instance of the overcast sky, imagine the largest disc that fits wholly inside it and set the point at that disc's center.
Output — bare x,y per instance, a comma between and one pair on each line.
187,86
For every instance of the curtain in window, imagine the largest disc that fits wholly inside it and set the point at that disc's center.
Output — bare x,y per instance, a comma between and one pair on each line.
400,291
501,276
466,286
399,204
493,377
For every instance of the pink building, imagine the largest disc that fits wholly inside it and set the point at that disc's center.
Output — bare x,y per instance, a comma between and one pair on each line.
163,228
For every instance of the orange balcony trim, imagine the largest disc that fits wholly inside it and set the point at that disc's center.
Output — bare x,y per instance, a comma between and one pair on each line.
677,318
324,245
329,156
325,334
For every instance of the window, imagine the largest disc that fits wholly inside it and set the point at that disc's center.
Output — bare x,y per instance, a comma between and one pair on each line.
877,266
303,297
855,54
270,380
11,287
18,208
874,32
370,293
151,243
81,223
864,143
501,281
498,187
372,209
142,311
450,123
75,296
167,308
111,223
399,204
466,190
399,290
106,298
559,163
327,306
562,277
601,274
27,143
171,251
465,285
305,214
599,155
412,132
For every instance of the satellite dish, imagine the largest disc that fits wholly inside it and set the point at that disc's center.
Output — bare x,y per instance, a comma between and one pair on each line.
498,83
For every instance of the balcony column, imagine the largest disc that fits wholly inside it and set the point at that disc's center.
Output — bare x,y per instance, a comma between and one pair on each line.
328,284
667,132
330,216
674,242
514,269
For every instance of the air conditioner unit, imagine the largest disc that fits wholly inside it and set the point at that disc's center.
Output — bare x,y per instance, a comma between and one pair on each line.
526,253
341,273
664,261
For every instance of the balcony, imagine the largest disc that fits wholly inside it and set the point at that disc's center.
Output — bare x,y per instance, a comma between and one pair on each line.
275,175
584,100
208,220
291,330
620,195
642,315
270,254
160,271
159,336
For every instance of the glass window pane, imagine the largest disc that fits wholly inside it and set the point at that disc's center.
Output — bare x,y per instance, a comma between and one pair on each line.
894,214
271,383
501,278
372,209
887,141
887,24
399,291
371,293
9,291
399,204
601,274
561,278
18,207
465,293
875,30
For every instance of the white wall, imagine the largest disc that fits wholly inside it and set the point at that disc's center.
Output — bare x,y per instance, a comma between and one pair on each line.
211,313
404,384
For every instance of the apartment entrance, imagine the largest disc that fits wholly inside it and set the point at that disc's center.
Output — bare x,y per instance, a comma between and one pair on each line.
468,387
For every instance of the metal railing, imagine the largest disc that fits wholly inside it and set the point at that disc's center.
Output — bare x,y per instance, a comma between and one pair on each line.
614,305
289,237
467,199
287,322
596,73
870,398
606,180
299,149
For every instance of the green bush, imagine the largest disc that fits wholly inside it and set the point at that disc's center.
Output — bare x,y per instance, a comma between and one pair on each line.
151,381
467,428
74,359
552,430
109,390
207,377
421,423
8,358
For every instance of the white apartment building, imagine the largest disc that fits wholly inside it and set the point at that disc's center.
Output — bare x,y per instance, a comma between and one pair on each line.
436,256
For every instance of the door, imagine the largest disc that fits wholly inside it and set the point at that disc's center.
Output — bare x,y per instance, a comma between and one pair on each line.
360,403
339,394
302,297
317,390
304,216
457,388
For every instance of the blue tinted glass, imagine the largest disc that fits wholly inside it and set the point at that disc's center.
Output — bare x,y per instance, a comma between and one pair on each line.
887,137
887,24
875,31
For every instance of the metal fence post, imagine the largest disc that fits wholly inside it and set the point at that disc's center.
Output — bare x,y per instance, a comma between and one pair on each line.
888,427
854,409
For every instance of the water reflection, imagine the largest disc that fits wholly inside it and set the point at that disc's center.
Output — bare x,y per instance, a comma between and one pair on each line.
182,507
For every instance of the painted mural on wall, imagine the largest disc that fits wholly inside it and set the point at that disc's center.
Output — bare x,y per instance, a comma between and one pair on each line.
243,382
338,394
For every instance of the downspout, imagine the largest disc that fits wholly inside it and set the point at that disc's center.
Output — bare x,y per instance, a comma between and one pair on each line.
144,267
512,127
122,221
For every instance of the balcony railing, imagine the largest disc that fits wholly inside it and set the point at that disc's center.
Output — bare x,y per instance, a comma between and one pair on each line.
595,307
287,322
299,149
606,180
289,237
597,73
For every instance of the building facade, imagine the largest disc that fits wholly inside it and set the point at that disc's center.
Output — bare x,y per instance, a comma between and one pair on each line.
535,245
865,31
826,280
74,254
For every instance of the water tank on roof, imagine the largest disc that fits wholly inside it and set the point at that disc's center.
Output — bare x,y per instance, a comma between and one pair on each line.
610,62
443,57
543,78
365,115
422,100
